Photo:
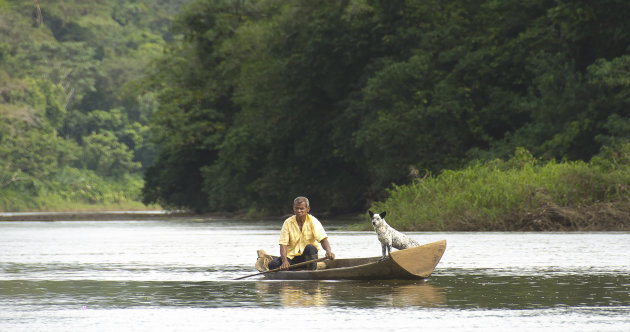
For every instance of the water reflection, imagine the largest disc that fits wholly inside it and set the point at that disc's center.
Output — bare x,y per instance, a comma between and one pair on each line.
453,291
485,289
350,293
52,276
424,295
292,294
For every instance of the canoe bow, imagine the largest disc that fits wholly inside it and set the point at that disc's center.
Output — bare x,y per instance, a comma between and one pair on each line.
409,261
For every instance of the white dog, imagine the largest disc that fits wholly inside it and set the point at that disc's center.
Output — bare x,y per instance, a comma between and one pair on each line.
388,236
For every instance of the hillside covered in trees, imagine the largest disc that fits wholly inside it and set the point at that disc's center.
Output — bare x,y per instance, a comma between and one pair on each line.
250,103
73,128
263,100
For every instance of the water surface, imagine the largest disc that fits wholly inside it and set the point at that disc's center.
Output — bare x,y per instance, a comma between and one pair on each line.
178,275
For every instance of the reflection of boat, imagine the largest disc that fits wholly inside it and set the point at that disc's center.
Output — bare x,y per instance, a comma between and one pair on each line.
295,294
412,263
423,295
367,294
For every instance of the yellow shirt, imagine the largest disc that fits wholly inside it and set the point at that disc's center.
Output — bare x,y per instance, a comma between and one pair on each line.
312,233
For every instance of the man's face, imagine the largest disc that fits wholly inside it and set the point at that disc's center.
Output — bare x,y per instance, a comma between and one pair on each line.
301,209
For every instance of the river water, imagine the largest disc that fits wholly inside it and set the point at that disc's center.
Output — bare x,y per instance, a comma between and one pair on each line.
177,275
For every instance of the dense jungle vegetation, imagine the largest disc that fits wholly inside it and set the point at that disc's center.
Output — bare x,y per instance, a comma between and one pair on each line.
520,194
263,100
74,129
250,103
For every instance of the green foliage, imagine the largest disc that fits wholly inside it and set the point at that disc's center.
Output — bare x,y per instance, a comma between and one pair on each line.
194,107
68,98
260,101
104,154
520,194
254,102
72,189
613,158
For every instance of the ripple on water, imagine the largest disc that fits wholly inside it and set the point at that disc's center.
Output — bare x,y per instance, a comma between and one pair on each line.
155,273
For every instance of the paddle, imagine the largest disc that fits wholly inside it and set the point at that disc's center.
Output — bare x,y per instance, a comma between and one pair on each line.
290,267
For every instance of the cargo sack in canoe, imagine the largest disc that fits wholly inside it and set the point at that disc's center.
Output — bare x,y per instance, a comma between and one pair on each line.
262,262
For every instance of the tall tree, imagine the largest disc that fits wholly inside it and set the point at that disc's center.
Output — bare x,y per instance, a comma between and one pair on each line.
263,100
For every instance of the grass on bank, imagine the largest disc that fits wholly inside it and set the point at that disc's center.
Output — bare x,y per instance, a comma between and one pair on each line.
74,190
521,194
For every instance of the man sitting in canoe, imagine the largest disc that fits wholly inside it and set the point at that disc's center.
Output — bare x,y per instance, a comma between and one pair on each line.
300,238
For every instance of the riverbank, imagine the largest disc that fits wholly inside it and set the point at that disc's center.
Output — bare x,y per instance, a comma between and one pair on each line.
112,215
89,215
521,194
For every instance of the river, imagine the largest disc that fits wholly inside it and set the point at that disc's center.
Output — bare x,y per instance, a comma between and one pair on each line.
178,275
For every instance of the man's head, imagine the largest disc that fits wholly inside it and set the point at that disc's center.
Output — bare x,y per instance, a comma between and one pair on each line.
301,206
301,199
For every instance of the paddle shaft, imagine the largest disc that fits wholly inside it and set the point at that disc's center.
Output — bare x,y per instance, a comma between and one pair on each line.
290,267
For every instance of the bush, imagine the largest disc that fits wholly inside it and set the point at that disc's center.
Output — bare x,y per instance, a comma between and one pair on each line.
72,189
520,194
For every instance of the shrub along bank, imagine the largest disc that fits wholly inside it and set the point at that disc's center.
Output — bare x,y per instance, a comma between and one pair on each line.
521,194
71,189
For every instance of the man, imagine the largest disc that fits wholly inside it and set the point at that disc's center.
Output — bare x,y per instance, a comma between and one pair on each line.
300,238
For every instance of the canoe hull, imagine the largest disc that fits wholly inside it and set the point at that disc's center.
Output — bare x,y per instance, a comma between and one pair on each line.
413,263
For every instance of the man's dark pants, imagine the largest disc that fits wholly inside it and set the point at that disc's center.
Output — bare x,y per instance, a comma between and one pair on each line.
310,253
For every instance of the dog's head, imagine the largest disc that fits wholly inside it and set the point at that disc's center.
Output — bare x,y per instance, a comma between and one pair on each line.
377,218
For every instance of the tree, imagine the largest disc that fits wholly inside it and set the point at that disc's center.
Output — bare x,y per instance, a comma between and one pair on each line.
194,105
107,156
338,100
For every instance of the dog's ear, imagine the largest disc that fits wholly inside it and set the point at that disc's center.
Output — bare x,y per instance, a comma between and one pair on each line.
371,213
382,214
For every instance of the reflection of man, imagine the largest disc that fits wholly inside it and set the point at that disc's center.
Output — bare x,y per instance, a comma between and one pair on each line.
300,238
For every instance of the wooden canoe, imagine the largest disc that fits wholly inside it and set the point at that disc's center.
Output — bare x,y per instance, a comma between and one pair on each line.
412,263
